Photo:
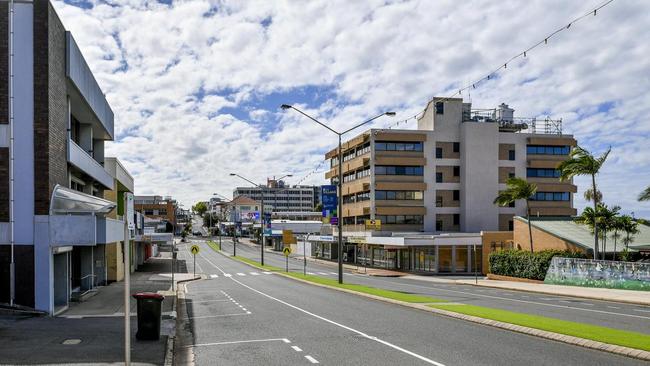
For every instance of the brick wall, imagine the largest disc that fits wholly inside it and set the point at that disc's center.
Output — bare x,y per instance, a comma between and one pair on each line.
41,108
541,239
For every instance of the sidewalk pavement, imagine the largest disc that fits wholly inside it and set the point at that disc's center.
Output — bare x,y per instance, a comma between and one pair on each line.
92,332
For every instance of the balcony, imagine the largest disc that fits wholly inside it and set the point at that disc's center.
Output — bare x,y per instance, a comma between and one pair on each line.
109,230
87,99
84,162
72,230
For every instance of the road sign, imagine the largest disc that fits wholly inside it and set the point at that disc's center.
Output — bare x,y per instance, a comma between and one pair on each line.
286,251
194,249
373,225
334,220
287,237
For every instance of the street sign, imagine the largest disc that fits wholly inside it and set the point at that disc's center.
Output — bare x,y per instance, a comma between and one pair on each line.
286,251
287,237
194,249
334,220
373,225
330,203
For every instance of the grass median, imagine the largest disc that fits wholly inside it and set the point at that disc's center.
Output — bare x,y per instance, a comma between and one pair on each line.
214,245
580,330
587,331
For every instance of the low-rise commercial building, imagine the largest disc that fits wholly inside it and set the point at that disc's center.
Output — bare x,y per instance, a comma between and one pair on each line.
57,227
161,207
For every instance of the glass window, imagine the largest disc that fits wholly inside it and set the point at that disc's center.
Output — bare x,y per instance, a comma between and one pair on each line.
456,171
456,195
456,147
390,195
547,150
440,108
438,177
438,153
380,195
511,155
456,219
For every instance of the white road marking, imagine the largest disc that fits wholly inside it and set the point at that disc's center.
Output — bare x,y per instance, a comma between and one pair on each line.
378,340
613,307
227,274
311,359
643,311
285,340
311,273
323,273
255,274
241,274
296,348
586,304
517,300
201,301
236,342
218,316
267,272
333,273
214,276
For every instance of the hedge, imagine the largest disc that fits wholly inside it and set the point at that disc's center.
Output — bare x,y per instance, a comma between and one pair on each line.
524,264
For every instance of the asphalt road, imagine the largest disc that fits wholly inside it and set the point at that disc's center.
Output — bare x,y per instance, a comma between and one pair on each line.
610,314
243,316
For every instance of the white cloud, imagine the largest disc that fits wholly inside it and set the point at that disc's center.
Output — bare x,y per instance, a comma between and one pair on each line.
374,56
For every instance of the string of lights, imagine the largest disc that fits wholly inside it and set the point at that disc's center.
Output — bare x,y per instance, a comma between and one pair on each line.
312,172
503,66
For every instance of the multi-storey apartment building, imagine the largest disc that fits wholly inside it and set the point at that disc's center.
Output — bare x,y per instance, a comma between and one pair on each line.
444,176
159,207
282,198
56,228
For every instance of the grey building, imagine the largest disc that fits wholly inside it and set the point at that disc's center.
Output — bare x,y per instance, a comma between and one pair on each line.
279,197
55,228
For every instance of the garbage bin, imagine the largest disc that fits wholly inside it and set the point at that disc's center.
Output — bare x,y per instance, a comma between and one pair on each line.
149,315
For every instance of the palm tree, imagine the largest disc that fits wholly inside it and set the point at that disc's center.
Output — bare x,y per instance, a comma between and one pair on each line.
581,162
607,222
518,189
645,195
629,227
617,226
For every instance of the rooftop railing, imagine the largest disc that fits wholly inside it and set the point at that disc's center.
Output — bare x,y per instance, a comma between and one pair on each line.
532,125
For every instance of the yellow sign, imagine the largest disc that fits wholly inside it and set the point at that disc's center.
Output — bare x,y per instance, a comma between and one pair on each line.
286,251
287,237
357,239
194,249
373,225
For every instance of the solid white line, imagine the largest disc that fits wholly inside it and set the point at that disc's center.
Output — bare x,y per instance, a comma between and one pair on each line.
323,273
296,348
420,357
201,301
311,273
517,300
218,316
286,340
235,342
643,311
613,307
311,359
333,273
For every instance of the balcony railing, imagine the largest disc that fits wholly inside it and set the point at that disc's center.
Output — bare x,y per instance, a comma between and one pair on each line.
84,162
516,124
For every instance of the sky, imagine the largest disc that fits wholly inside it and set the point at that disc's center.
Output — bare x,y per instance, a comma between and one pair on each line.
196,85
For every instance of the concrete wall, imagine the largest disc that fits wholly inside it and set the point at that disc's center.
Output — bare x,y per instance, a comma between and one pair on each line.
501,239
479,176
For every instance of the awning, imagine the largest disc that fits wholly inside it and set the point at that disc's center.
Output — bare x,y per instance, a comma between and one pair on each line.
66,201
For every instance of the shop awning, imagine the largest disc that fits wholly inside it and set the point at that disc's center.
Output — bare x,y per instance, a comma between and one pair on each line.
68,201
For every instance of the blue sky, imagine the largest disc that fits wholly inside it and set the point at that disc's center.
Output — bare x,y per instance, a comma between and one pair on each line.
196,86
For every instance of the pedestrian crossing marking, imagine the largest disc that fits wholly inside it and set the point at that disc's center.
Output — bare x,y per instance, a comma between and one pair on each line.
241,274
227,275
213,276
255,274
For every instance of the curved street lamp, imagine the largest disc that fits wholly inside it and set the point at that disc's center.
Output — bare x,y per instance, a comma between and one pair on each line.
340,175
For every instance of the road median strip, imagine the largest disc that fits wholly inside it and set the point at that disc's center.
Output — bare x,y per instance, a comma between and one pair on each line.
627,343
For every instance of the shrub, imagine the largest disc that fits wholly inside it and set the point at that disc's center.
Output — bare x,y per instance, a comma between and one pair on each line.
524,264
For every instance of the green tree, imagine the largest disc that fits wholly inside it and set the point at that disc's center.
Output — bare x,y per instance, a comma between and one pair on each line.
630,228
582,162
518,189
607,223
645,195
602,218
200,208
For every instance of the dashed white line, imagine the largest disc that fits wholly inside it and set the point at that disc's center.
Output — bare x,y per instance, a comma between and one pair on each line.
237,342
376,339
311,359
241,274
296,348
227,274
613,307
218,316
586,304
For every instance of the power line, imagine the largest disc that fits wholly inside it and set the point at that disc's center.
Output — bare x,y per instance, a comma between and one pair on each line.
523,54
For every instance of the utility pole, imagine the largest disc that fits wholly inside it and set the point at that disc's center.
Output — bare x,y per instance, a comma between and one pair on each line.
339,211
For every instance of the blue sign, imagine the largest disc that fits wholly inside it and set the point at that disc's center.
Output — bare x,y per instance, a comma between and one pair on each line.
329,199
267,223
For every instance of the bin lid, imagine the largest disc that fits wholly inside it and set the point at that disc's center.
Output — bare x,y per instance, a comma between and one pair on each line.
148,295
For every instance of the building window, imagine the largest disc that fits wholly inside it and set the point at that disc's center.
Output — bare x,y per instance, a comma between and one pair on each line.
511,174
438,153
456,219
398,170
542,173
511,204
511,155
398,195
547,150
400,219
398,146
438,177
456,147
440,108
456,195
550,196
511,225
438,225
456,171
438,201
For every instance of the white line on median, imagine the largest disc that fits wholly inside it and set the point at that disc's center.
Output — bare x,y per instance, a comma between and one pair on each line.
214,276
311,359
398,348
296,348
241,274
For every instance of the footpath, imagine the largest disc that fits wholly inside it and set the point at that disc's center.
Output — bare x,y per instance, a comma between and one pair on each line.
92,332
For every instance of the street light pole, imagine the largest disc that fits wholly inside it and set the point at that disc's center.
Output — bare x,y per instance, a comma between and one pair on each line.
261,187
339,212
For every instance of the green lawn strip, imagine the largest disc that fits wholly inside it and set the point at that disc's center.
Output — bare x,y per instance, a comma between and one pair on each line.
214,245
581,330
395,295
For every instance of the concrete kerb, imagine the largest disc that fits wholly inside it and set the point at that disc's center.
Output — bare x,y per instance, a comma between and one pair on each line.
171,340
576,341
